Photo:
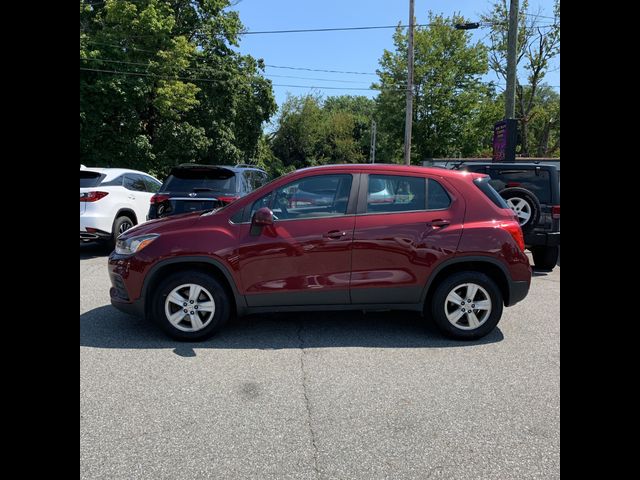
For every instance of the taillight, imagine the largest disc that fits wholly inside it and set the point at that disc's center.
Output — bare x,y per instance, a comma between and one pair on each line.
158,198
92,196
555,211
516,232
227,199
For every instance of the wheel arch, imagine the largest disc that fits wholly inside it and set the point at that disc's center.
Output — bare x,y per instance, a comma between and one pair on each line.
204,264
491,267
128,213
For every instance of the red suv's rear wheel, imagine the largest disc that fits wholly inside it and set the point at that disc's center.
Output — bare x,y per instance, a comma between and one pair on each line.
467,305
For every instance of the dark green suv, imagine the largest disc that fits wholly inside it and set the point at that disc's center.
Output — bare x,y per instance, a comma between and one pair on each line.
532,190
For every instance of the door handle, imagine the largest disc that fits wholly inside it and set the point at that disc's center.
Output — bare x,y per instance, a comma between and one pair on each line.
440,223
334,234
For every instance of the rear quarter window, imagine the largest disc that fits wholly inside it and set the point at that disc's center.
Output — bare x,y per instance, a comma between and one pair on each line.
484,184
152,185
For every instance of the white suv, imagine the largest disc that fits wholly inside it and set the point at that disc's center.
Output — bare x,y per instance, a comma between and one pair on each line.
113,200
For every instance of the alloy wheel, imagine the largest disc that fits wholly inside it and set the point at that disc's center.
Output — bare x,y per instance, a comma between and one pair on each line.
190,307
467,306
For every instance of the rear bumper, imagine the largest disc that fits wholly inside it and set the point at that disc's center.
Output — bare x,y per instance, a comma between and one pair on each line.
517,291
86,236
549,239
99,224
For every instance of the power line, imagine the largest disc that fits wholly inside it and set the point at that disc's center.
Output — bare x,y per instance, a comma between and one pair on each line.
212,80
121,46
320,70
153,75
213,73
346,29
271,66
335,29
266,65
371,27
400,87
539,16
312,78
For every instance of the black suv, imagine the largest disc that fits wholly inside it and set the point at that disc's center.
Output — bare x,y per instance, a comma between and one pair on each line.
532,190
191,187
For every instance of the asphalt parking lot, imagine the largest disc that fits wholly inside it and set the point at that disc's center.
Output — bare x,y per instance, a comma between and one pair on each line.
318,396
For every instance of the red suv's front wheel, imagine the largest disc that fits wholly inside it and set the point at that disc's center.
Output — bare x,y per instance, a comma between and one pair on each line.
190,305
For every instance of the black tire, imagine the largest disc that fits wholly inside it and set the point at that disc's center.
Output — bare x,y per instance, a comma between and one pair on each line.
530,199
212,286
545,258
439,304
120,225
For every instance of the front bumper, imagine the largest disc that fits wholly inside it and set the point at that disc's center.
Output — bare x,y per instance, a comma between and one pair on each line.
125,281
135,308
120,297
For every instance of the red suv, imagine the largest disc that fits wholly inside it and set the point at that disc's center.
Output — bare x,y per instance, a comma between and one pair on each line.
359,237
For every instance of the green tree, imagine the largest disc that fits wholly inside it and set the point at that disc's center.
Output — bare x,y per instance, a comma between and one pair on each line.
448,94
312,131
361,111
161,84
544,126
299,131
266,159
538,43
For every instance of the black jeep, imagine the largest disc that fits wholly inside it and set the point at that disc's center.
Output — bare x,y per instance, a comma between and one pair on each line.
532,190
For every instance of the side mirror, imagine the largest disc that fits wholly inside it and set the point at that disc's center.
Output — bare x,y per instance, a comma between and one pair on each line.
262,217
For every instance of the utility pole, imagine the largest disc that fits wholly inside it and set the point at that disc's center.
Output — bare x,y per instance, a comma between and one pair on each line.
373,141
512,45
409,115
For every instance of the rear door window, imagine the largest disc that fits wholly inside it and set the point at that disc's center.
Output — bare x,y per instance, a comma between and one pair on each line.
134,182
437,196
396,193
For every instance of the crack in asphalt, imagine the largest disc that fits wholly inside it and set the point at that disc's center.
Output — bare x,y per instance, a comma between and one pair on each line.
306,401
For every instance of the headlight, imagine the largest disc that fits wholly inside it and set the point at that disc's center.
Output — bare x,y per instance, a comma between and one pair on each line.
134,244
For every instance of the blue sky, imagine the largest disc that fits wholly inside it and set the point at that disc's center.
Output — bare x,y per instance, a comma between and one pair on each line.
352,50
